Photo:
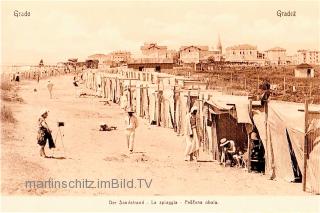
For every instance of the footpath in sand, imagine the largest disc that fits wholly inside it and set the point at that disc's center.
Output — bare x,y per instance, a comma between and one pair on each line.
94,155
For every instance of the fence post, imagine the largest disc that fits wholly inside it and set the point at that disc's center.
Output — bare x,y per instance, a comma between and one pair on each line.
284,85
310,90
305,147
249,139
130,95
245,83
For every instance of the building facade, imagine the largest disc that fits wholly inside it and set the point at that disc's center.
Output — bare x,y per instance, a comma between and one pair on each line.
152,50
193,54
120,56
243,53
276,56
308,56
304,71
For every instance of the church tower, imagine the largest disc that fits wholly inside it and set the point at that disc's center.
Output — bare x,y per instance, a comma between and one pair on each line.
219,46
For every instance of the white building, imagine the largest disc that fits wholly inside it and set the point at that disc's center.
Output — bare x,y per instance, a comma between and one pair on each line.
120,56
308,56
243,53
304,71
276,56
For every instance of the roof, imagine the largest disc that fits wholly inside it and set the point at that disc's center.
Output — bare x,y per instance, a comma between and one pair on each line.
242,47
304,66
203,48
150,60
276,49
148,46
97,55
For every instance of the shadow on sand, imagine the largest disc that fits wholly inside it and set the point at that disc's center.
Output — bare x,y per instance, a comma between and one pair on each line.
57,158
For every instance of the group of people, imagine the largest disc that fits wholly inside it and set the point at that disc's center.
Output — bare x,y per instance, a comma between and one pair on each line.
228,149
230,154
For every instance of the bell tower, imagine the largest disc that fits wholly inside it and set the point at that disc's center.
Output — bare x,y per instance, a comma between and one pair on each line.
219,46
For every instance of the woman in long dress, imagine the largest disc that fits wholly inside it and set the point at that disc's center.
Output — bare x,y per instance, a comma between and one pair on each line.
191,136
44,133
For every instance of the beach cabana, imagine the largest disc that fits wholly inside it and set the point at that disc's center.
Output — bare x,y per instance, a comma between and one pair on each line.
227,116
284,140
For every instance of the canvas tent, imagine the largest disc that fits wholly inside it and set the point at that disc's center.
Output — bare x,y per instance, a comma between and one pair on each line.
283,137
164,100
227,117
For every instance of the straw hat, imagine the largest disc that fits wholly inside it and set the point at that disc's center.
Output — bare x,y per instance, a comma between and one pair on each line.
130,109
43,111
194,108
223,140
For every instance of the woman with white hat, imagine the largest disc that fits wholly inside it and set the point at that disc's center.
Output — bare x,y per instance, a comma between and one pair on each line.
191,136
44,133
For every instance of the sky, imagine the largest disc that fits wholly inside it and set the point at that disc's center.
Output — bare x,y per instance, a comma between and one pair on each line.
58,30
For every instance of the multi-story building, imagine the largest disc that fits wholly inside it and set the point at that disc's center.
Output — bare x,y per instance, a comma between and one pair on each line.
120,56
243,53
308,56
276,56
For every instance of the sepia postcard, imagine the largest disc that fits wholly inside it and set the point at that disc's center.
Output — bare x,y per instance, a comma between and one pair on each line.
131,106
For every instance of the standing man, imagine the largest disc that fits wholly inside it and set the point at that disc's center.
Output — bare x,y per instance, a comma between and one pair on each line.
131,123
191,135
50,86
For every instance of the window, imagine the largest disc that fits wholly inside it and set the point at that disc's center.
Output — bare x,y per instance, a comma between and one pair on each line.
158,68
309,72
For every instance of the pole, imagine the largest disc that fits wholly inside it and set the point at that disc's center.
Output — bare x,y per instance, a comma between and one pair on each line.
130,96
266,130
310,90
249,139
245,84
189,101
305,147
284,85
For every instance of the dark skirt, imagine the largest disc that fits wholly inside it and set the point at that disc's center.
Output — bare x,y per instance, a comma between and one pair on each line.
43,136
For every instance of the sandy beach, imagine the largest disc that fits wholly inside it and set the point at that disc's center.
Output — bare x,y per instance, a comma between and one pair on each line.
89,154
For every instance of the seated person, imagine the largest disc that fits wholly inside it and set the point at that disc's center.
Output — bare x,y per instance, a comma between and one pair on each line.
104,127
241,159
228,150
